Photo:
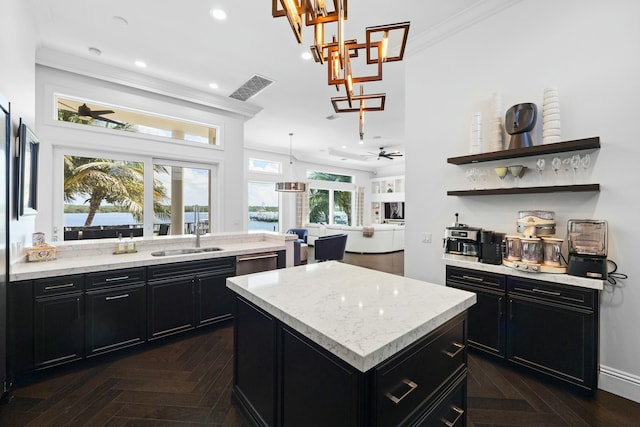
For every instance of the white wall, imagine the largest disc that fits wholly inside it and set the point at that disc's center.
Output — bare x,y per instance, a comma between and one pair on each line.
17,84
589,51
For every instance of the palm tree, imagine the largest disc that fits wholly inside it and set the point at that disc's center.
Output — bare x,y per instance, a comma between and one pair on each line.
319,199
318,205
116,182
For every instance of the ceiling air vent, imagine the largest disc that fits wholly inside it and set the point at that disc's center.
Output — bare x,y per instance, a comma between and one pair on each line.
251,87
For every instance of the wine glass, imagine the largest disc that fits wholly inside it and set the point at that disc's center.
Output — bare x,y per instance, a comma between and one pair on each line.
501,171
575,164
517,171
555,164
540,164
585,161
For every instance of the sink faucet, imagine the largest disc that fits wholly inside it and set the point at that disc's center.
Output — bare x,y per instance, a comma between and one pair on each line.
196,212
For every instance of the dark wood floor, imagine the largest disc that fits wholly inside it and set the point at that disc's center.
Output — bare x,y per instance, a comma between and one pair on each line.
187,382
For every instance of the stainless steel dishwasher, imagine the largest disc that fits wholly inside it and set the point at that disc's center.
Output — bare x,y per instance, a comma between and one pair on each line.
255,263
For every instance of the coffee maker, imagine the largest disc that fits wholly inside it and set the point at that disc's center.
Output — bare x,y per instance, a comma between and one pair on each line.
587,248
460,239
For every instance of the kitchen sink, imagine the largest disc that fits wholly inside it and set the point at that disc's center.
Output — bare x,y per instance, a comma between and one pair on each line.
184,251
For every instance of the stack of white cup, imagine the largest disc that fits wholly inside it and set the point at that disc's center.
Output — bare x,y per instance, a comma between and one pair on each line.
475,143
551,116
497,131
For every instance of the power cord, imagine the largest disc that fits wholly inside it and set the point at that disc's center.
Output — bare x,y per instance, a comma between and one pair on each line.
613,274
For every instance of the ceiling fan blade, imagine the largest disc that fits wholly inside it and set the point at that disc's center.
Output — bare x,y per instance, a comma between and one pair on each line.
96,113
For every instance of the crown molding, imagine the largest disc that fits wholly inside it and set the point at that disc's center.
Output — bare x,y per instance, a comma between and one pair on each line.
78,65
478,12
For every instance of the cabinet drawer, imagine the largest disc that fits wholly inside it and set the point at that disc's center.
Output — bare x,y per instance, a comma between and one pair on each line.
58,285
115,278
482,279
550,292
192,268
450,410
409,380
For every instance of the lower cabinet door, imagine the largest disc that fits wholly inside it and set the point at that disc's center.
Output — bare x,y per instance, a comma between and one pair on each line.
58,330
553,339
487,327
214,301
115,318
170,307
255,363
317,390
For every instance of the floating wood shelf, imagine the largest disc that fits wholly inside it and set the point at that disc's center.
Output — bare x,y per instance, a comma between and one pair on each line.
536,150
527,190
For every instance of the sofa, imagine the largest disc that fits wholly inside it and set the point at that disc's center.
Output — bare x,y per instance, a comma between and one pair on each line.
373,239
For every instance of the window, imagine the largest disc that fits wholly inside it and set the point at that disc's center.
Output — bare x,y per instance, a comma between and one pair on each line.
118,118
331,198
177,190
102,197
265,166
264,209
325,176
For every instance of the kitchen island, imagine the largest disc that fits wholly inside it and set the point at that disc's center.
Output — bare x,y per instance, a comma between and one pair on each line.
335,344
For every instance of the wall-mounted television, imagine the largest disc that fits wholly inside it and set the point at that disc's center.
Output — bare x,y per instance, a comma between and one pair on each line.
394,210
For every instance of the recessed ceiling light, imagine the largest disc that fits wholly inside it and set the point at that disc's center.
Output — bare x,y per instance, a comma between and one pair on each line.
344,146
141,64
218,14
95,51
213,85
306,56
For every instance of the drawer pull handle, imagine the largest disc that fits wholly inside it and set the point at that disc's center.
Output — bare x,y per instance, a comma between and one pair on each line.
412,386
459,347
458,411
117,297
476,279
251,258
542,291
116,279
66,285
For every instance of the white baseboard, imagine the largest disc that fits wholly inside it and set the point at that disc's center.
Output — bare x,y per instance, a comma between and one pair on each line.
620,383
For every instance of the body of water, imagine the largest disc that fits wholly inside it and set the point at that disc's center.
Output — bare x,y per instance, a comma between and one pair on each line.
125,218
118,218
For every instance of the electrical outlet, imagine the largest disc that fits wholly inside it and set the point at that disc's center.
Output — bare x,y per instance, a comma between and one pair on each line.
426,237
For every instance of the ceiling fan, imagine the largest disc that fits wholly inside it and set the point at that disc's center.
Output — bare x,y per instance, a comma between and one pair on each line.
86,113
387,155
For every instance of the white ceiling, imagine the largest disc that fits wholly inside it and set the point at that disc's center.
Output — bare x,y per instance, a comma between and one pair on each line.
182,43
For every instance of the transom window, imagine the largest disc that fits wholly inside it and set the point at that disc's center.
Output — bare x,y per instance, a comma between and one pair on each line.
122,119
265,166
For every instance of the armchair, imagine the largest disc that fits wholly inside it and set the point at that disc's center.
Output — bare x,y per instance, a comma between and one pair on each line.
301,232
330,247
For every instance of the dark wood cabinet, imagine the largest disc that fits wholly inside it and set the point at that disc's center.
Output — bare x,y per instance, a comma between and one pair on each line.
487,318
543,326
20,328
255,363
115,310
295,382
317,389
184,295
553,329
58,321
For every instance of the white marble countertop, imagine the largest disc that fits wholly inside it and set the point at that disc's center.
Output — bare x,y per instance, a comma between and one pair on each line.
91,256
565,279
361,315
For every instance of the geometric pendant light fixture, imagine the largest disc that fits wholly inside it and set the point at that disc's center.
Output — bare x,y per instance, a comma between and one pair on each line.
291,185
384,44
